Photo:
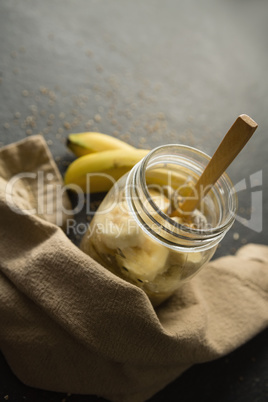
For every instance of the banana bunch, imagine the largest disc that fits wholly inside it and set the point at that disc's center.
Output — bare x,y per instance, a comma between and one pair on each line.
101,161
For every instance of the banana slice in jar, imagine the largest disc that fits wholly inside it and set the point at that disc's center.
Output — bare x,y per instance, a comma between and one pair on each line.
138,256
159,198
145,262
116,228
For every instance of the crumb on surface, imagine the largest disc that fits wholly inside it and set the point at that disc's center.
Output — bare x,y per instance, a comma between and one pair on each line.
97,118
236,236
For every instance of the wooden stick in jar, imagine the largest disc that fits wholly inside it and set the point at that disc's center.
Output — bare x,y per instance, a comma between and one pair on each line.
233,142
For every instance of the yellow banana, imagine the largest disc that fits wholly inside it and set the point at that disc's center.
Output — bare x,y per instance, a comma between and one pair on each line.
97,172
86,143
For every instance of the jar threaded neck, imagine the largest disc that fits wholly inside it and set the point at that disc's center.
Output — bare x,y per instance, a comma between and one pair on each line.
181,163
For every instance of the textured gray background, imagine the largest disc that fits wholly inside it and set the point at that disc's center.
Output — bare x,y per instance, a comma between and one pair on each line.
149,72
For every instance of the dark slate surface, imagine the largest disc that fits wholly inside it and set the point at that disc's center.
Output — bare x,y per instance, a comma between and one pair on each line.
149,72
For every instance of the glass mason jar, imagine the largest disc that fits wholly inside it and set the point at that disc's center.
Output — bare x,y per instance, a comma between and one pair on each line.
136,235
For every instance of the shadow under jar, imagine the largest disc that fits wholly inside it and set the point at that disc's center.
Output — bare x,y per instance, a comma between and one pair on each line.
134,235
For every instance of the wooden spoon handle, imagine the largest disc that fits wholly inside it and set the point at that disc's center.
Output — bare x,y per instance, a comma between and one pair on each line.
229,148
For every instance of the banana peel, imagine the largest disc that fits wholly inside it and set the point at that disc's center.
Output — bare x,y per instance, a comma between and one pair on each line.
97,172
90,142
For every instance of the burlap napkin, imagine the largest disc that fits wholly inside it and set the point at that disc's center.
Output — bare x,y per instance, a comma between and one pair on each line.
69,325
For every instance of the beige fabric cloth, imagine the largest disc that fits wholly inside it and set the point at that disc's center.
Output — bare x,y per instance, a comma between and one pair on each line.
69,325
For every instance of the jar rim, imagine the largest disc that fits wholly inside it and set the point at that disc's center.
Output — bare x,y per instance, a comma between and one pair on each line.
224,180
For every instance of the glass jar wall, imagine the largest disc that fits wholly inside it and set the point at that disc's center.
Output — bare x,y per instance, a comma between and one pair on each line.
139,232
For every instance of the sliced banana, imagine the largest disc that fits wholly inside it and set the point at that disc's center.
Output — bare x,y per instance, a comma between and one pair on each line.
177,219
199,220
184,260
195,258
143,263
167,282
117,229
159,198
